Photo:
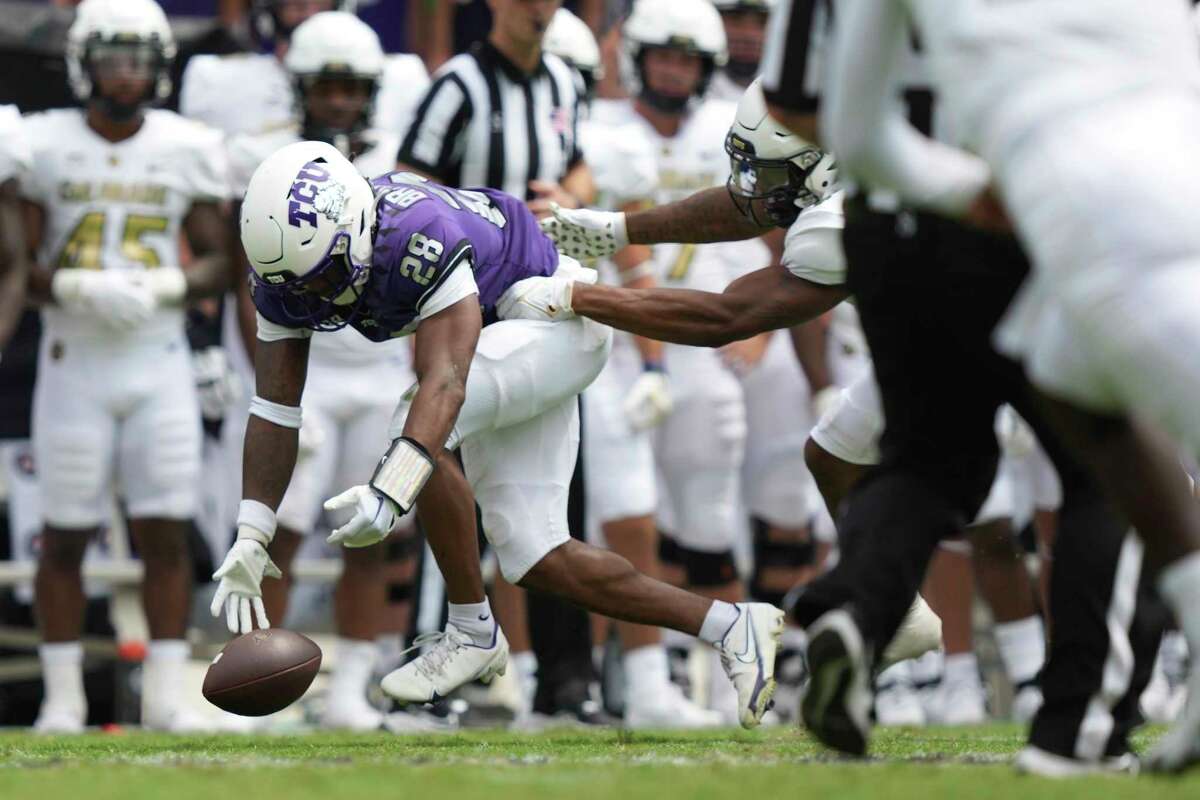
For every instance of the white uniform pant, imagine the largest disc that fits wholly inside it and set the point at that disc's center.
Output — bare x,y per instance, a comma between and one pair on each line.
519,431
108,414
618,462
776,484
1105,202
347,409
699,449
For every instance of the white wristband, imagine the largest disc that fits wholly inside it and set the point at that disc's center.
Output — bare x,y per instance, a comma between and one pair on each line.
285,416
402,473
256,521
620,232
637,272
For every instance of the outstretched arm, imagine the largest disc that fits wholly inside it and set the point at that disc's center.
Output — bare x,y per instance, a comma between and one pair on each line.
763,300
706,216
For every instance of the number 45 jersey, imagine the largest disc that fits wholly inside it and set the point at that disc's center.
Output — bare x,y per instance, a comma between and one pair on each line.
119,205
433,246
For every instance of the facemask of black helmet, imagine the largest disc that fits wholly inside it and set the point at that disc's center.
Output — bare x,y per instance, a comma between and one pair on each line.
116,67
771,191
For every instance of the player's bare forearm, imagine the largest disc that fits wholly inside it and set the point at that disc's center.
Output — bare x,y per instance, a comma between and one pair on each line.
810,342
269,453
706,216
634,266
14,264
212,270
763,300
442,359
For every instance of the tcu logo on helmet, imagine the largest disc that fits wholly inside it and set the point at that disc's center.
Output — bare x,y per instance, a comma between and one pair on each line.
303,195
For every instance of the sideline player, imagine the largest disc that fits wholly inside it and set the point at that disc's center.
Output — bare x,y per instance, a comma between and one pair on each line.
113,187
336,63
400,255
628,399
14,162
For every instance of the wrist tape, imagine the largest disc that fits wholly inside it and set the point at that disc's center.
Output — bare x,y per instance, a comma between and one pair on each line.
402,473
256,521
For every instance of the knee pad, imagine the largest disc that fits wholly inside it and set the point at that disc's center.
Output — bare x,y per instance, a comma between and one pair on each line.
769,555
708,569
668,552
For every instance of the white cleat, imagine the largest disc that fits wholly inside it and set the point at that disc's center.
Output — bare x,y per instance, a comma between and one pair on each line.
356,716
919,632
452,660
59,720
669,709
897,704
1179,747
403,723
1035,761
961,703
179,719
748,655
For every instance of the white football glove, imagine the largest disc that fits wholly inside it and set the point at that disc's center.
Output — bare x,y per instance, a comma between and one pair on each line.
168,285
649,400
583,233
240,587
118,298
374,517
217,384
547,299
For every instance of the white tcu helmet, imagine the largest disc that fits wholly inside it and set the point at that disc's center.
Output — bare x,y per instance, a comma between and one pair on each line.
690,25
100,23
774,173
569,38
307,226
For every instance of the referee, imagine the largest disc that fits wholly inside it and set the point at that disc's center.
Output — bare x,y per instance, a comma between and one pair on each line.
929,292
505,115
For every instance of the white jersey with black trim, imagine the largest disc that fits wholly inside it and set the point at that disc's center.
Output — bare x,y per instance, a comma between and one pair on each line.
404,82
15,153
346,346
119,205
240,93
812,247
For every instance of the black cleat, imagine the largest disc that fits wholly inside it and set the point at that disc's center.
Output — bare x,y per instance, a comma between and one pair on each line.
836,706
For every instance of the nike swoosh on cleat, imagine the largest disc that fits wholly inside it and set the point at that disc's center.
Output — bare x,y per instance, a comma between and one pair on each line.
484,617
751,639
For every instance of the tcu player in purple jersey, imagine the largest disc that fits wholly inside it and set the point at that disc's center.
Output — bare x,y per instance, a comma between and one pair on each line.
400,255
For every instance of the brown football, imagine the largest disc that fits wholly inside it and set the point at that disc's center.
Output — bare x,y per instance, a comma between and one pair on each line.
262,672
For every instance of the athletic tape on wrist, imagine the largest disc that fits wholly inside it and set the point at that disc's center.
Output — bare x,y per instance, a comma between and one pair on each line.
256,521
284,416
402,473
637,272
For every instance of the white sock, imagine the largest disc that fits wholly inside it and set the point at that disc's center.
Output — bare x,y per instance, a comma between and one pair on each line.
352,671
960,669
1022,646
718,621
475,620
646,672
526,664
162,673
895,676
389,647
62,674
1179,585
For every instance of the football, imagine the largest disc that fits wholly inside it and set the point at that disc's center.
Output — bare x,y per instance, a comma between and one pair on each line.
262,672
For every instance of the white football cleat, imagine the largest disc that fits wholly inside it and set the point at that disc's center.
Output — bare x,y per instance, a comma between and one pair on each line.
748,655
961,703
1179,747
919,632
452,660
897,704
356,716
177,719
1035,761
668,708
55,720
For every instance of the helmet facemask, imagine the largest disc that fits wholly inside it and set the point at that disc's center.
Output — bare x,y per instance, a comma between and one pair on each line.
346,138
772,192
125,57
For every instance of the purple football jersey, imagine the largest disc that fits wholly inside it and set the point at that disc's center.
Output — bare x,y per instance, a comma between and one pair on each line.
424,231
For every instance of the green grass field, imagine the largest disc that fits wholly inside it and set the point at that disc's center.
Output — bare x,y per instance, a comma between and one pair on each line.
926,764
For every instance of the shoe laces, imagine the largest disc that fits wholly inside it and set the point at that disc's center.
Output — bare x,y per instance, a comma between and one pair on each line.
442,646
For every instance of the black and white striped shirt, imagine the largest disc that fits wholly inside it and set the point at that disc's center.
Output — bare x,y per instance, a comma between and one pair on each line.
483,122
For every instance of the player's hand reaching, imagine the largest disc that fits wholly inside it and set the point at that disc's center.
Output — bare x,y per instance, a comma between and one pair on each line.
374,517
240,587
546,299
583,233
116,297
